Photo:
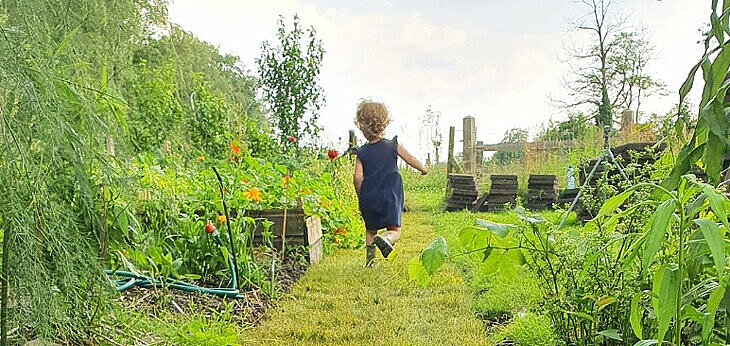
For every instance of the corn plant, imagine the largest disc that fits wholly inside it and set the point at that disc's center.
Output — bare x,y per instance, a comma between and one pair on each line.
682,254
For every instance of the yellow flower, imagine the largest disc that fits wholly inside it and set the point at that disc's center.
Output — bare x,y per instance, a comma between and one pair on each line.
221,218
201,158
252,194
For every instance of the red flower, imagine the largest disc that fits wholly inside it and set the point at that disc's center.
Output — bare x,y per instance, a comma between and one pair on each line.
236,149
292,139
332,154
209,227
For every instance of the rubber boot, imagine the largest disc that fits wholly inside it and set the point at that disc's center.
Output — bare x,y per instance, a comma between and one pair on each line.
384,243
369,254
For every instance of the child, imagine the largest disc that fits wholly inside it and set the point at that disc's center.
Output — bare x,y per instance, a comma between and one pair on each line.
377,181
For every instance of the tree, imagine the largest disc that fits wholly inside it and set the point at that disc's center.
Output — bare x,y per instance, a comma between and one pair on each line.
430,131
290,81
515,135
609,73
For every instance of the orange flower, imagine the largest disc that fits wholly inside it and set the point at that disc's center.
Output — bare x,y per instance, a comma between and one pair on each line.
244,181
252,194
221,218
236,149
285,180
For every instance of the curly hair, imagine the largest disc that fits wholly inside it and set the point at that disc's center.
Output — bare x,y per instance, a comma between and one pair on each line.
372,118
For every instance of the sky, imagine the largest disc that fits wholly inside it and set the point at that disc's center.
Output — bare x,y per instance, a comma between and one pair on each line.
499,61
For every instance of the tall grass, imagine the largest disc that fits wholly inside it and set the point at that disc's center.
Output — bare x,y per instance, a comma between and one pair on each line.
556,162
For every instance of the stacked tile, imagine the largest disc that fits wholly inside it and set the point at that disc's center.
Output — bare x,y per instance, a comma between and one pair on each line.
566,197
542,191
462,192
503,190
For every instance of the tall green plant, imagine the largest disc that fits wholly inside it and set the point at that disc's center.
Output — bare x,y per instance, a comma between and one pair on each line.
709,141
682,253
290,80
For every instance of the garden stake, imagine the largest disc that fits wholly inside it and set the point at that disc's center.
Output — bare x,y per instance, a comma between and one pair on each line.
283,227
606,156
228,222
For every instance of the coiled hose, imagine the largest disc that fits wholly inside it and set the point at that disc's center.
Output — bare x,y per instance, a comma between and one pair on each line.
128,279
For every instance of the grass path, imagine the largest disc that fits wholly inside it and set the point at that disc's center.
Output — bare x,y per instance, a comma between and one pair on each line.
339,302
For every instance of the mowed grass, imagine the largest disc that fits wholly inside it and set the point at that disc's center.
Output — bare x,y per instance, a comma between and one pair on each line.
340,302
505,294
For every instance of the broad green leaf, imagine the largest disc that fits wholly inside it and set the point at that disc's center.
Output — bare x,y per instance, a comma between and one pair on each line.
688,311
636,315
611,334
717,203
660,222
688,82
717,30
665,304
499,229
524,215
614,202
434,255
645,343
713,156
604,301
416,272
712,304
472,238
688,155
714,238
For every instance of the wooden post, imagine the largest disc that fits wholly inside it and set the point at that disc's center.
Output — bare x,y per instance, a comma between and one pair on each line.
450,154
352,139
479,155
469,141
627,120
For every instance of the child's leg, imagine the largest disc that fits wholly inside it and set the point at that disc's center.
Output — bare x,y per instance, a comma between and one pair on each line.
394,232
369,247
386,241
369,234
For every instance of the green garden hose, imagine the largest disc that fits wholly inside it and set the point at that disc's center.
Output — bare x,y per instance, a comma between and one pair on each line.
128,279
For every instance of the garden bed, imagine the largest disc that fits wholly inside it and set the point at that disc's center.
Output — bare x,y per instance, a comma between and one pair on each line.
248,310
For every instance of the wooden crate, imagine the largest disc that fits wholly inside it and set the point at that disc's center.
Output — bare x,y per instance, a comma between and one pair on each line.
300,230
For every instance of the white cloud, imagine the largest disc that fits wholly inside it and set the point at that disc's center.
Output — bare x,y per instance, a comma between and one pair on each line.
501,72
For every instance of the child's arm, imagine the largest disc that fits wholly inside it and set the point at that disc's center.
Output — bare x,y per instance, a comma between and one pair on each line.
357,176
411,160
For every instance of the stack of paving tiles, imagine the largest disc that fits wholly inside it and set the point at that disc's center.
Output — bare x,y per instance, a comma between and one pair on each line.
503,190
462,192
542,192
567,197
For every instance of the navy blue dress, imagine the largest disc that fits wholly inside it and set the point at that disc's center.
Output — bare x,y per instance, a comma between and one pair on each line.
381,192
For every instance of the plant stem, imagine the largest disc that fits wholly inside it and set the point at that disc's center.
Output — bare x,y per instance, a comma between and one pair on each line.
4,289
678,321
228,224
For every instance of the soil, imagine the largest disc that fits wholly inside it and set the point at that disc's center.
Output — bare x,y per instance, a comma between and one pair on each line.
246,310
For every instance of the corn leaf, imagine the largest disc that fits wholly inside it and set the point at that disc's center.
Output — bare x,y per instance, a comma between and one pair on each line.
636,315
665,287
714,239
660,222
